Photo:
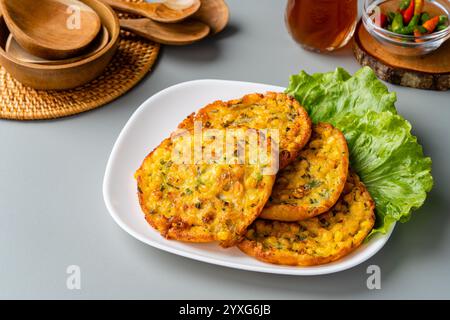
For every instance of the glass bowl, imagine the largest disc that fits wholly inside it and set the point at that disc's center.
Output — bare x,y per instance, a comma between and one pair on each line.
404,45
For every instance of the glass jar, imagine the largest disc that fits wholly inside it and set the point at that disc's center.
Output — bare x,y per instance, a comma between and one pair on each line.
322,25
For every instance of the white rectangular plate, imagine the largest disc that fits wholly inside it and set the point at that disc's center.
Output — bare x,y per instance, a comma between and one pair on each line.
149,125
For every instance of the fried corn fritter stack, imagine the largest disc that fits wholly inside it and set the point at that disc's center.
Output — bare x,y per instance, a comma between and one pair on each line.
201,202
313,182
256,111
317,240
313,211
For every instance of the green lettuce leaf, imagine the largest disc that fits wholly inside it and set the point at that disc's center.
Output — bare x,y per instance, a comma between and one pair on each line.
383,151
390,162
329,97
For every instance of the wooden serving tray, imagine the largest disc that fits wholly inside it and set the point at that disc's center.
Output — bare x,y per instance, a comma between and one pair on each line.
430,71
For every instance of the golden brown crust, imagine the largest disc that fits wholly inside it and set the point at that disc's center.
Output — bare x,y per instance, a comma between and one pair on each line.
318,240
221,207
286,259
187,124
313,182
257,111
200,202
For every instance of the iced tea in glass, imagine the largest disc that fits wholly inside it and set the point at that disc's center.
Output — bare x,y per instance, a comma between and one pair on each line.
322,25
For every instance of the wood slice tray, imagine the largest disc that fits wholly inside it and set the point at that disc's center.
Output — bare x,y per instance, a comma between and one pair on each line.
430,71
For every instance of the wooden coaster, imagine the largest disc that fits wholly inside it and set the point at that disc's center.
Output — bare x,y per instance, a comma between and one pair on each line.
431,71
132,62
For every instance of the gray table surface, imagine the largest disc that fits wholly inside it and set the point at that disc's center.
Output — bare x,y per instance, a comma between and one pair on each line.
52,213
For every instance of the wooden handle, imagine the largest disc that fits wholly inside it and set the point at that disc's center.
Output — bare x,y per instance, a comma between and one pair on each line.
137,26
177,34
142,9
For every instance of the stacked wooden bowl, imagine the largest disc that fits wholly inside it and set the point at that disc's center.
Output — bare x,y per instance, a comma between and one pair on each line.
56,61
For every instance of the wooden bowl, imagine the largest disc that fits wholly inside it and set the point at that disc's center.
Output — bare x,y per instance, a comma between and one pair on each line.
65,76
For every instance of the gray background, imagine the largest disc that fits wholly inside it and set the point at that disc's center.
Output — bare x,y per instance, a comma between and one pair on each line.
52,213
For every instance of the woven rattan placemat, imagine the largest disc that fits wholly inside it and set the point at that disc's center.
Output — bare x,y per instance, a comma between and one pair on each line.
132,62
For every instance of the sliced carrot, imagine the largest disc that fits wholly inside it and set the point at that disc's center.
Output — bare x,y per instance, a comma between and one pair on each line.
417,34
431,24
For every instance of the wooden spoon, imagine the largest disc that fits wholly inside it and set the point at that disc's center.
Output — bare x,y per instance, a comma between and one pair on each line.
177,34
155,11
50,29
214,13
14,50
